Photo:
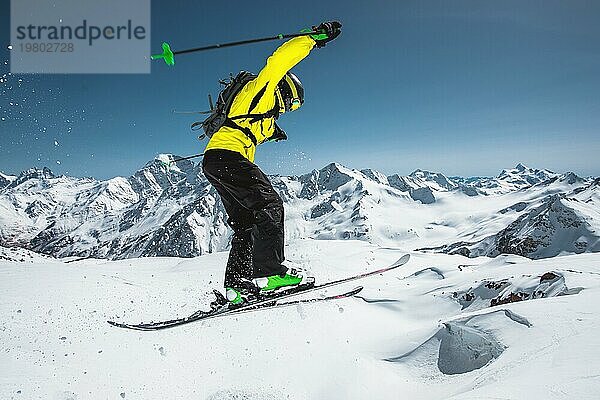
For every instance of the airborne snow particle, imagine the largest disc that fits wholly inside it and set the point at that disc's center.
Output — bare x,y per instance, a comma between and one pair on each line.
9,47
56,143
58,162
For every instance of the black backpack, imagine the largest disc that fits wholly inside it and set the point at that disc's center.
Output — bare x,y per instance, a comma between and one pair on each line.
219,113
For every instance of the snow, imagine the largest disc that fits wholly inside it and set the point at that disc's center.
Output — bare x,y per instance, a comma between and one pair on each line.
441,327
9,178
406,336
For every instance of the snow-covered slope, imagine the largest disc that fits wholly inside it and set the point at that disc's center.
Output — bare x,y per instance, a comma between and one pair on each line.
441,327
558,223
18,254
175,212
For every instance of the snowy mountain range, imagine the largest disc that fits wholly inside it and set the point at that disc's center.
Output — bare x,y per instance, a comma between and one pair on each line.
162,211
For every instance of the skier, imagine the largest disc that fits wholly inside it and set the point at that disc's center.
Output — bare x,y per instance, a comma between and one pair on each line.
254,209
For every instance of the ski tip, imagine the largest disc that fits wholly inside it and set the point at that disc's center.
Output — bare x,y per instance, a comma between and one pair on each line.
356,290
127,326
402,260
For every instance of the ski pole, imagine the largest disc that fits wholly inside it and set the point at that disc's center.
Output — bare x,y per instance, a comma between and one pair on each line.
168,160
186,158
169,55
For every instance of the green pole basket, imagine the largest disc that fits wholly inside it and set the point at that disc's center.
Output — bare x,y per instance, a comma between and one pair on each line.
166,55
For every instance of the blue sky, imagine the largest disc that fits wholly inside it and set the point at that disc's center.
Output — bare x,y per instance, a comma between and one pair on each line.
460,87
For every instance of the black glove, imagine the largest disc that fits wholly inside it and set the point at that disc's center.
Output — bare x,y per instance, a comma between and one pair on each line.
327,32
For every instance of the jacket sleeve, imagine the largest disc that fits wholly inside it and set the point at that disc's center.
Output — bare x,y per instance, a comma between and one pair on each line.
258,94
283,59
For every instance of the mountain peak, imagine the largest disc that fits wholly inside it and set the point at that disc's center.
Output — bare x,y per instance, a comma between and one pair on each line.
521,168
31,173
571,178
35,173
333,166
6,180
435,177
375,175
7,177
419,173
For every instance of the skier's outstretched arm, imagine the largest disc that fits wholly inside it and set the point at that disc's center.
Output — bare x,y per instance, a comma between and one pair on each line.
292,52
282,60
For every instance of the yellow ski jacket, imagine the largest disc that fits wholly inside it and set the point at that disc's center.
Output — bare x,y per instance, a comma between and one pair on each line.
263,86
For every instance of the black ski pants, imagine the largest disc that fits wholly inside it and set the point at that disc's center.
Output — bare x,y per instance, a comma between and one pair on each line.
255,213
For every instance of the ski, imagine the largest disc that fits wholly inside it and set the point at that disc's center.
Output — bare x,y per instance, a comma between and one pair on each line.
205,315
267,302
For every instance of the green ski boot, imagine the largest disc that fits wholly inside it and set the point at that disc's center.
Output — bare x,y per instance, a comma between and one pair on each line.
291,278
